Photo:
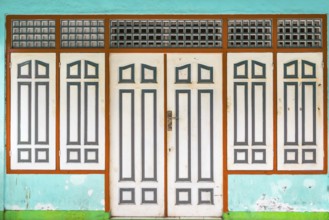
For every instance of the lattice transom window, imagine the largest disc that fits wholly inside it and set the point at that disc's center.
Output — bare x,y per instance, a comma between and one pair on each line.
249,33
300,33
166,33
82,33
33,33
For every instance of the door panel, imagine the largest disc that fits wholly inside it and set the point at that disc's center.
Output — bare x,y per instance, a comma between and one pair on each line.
82,87
250,111
33,111
300,111
137,135
194,137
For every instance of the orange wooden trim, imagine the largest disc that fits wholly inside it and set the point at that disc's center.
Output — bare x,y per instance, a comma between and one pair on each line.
299,50
58,98
107,133
224,117
8,103
169,16
275,104
165,138
34,50
275,114
56,172
163,50
278,172
58,110
325,94
122,50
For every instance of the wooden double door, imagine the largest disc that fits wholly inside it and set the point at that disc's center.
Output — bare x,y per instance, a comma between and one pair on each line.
166,134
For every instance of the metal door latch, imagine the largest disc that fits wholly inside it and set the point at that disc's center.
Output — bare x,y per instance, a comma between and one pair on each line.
170,117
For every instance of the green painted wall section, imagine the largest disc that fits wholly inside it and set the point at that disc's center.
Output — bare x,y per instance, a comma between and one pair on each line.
246,192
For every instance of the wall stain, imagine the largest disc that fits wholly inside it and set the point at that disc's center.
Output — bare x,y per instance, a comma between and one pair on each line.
27,197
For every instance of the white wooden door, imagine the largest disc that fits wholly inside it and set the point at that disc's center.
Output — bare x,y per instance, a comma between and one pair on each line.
195,136
300,111
82,89
33,111
137,135
250,111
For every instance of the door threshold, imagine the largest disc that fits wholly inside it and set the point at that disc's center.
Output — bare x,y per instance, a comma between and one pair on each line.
166,218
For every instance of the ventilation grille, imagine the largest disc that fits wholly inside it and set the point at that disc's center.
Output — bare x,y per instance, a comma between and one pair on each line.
82,33
249,33
33,33
165,33
300,33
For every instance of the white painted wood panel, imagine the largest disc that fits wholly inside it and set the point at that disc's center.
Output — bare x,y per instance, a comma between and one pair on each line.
250,111
148,136
42,116
33,111
260,111
82,119
127,134
310,110
91,114
242,116
300,111
24,112
136,134
183,136
206,136
192,79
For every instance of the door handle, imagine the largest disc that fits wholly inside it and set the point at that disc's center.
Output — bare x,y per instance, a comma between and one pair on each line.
170,117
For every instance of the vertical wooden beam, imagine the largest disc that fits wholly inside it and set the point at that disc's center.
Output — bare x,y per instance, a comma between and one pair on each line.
107,133
325,92
8,68
224,112
107,117
165,139
58,78
275,122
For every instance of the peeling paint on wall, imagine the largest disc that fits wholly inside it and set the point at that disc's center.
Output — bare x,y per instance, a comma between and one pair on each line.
279,193
54,192
41,206
272,204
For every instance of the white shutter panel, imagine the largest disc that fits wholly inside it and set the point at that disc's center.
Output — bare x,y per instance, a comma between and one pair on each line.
33,111
300,111
82,89
250,111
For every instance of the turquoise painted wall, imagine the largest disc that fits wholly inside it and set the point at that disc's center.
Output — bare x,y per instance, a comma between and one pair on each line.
76,192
